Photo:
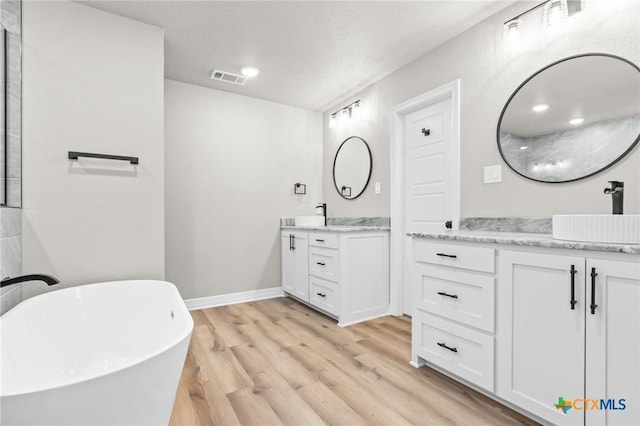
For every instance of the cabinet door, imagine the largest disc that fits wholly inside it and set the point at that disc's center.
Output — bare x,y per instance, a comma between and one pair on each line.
541,356
295,264
301,254
288,263
613,342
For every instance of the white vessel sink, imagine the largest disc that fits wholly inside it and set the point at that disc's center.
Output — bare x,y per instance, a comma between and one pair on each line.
309,221
601,228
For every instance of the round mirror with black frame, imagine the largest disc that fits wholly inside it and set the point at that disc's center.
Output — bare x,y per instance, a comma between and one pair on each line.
352,167
572,119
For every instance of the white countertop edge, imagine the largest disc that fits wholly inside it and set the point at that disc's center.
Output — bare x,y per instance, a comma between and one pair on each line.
337,228
527,239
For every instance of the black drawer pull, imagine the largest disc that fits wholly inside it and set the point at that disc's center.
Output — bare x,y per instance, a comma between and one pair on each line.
321,295
573,300
320,241
593,306
320,263
453,296
443,345
452,256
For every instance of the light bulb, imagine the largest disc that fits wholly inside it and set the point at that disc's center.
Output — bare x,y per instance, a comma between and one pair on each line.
556,12
332,121
355,110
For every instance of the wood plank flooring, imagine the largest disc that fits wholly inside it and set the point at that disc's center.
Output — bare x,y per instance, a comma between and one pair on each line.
278,362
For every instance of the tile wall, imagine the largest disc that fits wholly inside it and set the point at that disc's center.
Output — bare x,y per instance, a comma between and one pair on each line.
10,256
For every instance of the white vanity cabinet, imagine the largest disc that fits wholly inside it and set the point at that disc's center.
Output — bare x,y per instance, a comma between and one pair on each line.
347,273
575,321
295,264
546,323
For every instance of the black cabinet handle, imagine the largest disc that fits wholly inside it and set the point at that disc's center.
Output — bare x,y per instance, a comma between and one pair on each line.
290,242
573,300
452,256
320,241
593,291
443,345
293,242
320,263
321,295
453,296
426,132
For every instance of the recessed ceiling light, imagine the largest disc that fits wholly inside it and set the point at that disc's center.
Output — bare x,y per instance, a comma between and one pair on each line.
249,71
576,121
540,107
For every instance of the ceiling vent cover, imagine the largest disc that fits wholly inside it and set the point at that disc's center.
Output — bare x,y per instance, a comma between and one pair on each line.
228,77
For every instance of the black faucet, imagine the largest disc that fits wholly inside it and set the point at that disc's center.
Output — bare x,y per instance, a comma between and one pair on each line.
324,211
617,195
24,278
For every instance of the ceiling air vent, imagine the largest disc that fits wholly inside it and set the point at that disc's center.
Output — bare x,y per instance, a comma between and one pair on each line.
228,77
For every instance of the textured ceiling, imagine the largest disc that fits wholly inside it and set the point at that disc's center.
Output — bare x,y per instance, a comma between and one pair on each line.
311,54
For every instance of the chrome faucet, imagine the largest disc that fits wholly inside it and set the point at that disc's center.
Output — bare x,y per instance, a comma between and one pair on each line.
24,278
324,211
617,195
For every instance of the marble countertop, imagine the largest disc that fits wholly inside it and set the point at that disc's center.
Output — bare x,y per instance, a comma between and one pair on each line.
337,228
526,239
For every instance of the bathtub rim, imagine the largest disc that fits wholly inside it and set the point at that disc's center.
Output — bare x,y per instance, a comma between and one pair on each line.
82,379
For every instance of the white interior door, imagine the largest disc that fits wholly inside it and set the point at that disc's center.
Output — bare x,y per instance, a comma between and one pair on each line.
429,176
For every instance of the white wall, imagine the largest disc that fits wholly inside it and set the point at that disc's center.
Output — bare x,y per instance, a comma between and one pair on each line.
92,81
489,73
231,163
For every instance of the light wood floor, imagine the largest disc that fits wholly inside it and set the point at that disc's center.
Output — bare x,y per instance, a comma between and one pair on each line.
276,362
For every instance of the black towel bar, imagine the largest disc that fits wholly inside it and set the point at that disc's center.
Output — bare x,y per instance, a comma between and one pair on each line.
73,155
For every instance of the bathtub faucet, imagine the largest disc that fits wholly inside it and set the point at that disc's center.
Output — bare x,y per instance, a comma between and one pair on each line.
24,278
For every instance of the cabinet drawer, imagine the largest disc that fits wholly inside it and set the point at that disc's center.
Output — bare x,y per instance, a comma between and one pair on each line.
464,352
323,263
323,239
462,296
458,256
324,295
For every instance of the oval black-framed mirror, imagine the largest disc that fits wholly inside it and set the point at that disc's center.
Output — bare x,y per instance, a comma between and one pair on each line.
352,167
572,119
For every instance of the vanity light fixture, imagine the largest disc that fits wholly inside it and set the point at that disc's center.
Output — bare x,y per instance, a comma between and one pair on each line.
540,107
555,12
576,121
249,71
345,113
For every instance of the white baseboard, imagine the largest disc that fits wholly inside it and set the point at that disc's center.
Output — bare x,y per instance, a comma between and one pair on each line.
232,298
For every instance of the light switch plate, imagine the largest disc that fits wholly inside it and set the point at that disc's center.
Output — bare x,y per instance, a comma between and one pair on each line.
377,188
493,174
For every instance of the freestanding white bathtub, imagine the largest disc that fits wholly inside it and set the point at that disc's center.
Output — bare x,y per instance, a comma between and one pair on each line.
100,354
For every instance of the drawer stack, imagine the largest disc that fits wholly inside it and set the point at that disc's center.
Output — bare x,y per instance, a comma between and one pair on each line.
324,272
454,309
